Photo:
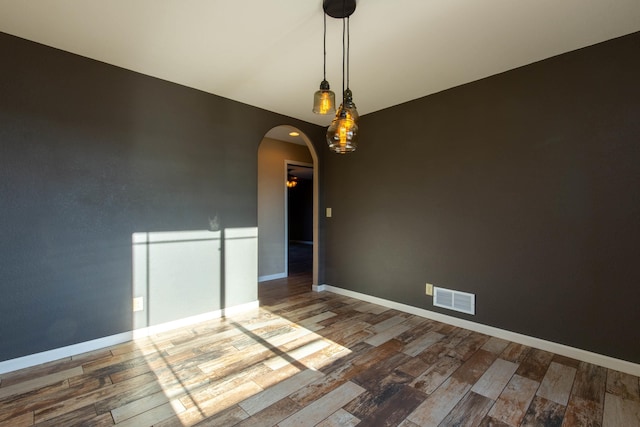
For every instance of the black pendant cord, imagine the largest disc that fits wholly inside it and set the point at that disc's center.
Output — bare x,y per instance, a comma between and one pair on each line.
324,47
348,51
343,59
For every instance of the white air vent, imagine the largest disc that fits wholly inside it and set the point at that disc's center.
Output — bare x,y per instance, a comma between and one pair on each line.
454,300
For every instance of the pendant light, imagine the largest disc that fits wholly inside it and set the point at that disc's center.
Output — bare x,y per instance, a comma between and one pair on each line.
324,100
342,134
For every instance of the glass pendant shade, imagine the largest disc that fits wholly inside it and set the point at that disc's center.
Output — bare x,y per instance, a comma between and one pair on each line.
324,100
342,135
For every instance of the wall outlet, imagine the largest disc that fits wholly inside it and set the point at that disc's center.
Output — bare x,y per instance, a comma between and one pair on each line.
138,304
429,289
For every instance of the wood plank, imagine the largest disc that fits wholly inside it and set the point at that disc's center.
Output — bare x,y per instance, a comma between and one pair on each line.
258,336
268,397
325,357
228,417
48,368
346,317
543,412
313,320
340,418
146,403
296,354
418,345
582,412
138,386
355,352
21,375
474,368
271,378
164,389
383,373
557,382
367,307
469,411
564,360
495,345
348,336
84,415
492,422
437,374
151,417
15,406
386,324
515,353
36,383
253,354
395,408
221,385
208,404
378,393
23,420
47,397
438,405
468,346
586,402
494,379
386,335
324,406
535,364
435,352
620,412
345,372
623,385
414,367
271,415
513,402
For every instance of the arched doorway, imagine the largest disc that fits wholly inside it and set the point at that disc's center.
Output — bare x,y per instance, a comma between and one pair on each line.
277,150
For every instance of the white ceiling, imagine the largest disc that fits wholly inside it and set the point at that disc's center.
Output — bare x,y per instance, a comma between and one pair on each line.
269,53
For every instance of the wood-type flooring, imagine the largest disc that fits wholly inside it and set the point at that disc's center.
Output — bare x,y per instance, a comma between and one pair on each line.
319,359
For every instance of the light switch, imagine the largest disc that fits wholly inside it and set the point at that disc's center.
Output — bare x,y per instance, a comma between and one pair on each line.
429,289
328,212
138,304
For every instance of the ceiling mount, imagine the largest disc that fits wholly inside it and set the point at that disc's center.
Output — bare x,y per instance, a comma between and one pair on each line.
339,8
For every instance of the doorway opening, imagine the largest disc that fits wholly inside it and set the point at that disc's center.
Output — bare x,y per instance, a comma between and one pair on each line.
278,152
299,217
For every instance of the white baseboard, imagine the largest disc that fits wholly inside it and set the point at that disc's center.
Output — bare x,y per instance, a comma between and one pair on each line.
63,352
216,314
553,347
272,277
83,347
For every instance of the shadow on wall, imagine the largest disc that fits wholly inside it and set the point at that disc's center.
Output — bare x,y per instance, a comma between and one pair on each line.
182,274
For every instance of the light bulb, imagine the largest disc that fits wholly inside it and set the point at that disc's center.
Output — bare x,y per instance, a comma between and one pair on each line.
324,100
342,135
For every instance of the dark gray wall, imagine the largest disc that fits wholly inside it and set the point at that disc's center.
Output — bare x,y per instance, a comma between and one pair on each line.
523,188
89,154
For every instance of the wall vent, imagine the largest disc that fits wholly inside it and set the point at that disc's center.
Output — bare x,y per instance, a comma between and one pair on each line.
454,300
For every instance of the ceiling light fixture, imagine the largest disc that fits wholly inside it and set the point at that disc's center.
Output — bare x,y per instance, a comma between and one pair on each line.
324,100
294,134
342,134
292,181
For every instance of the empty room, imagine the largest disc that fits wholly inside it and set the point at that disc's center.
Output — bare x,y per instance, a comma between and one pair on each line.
319,213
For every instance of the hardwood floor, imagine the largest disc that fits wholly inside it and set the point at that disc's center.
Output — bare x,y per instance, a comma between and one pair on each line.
319,359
